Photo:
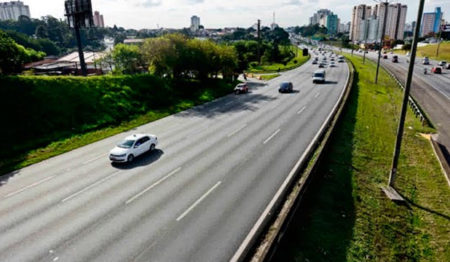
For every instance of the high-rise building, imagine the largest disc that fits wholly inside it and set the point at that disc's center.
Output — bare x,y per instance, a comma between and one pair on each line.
315,19
431,22
195,23
360,13
98,20
13,10
362,30
332,24
395,22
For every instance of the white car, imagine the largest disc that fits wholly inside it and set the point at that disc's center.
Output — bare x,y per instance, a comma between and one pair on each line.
132,147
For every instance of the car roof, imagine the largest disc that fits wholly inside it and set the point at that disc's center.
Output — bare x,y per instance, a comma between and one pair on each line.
319,71
136,136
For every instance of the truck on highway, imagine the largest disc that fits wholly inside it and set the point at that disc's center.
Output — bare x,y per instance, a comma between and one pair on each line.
319,76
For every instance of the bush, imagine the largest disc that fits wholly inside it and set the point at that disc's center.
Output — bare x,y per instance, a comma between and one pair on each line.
39,108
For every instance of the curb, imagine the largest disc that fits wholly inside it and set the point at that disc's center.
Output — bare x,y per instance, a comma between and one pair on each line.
440,155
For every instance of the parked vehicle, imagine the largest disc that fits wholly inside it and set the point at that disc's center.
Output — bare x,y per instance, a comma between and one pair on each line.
286,87
133,146
319,76
241,88
436,70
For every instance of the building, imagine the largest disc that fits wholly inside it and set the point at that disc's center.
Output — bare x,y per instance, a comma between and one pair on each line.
332,24
98,20
315,19
195,23
13,10
360,13
431,22
367,22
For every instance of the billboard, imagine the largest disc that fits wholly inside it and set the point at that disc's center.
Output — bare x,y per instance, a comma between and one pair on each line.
79,13
445,28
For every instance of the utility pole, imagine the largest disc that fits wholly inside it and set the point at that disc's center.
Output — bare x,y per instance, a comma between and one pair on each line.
259,41
401,124
383,31
439,42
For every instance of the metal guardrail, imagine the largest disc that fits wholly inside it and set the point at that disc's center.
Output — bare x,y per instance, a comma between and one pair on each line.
418,112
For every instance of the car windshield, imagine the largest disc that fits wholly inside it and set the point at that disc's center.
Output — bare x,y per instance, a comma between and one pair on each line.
126,144
284,85
318,75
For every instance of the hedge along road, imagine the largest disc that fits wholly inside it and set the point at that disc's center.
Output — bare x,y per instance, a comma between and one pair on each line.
195,198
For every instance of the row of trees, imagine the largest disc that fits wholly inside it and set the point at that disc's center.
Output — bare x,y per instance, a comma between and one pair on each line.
14,55
174,56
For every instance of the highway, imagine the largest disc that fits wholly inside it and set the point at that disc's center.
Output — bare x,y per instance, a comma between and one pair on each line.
431,91
195,198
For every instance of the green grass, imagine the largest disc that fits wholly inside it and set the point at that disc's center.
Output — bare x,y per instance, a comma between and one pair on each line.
430,51
344,215
295,62
76,140
269,77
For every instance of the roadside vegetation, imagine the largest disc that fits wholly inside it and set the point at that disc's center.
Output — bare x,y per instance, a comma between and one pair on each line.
294,60
430,51
345,216
47,116
268,77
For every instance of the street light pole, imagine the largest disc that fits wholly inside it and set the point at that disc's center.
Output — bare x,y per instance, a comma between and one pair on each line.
383,31
401,124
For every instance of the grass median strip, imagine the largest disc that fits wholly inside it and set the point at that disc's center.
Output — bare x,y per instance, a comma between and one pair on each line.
345,216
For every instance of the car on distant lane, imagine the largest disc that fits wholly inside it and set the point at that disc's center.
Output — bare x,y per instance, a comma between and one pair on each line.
319,76
426,61
436,70
395,59
241,88
442,63
286,87
133,146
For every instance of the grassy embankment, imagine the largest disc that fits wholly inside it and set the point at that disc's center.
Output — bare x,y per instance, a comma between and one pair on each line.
430,51
345,216
47,116
295,62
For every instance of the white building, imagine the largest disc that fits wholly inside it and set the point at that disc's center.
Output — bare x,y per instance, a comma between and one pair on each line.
13,10
367,22
195,23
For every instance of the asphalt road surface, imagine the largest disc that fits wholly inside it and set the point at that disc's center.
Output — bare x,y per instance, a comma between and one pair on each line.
431,91
195,198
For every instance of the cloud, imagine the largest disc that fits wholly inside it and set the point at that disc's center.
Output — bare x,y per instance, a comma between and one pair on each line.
150,3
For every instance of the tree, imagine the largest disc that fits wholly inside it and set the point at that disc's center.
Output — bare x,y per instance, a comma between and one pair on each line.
41,32
127,59
13,55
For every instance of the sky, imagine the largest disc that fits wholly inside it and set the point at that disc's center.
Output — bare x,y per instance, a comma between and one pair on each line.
152,14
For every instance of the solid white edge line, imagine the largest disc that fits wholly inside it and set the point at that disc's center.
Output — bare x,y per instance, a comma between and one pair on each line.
301,110
28,187
90,186
282,188
198,201
152,186
235,131
270,137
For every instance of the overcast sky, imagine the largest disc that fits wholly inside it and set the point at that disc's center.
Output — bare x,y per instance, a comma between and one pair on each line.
218,13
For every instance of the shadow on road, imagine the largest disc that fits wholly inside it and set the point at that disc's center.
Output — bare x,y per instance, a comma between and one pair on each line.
143,160
249,101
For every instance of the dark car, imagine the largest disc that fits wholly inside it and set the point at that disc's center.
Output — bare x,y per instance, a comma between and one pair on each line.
241,89
321,65
395,59
385,57
286,87
436,70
